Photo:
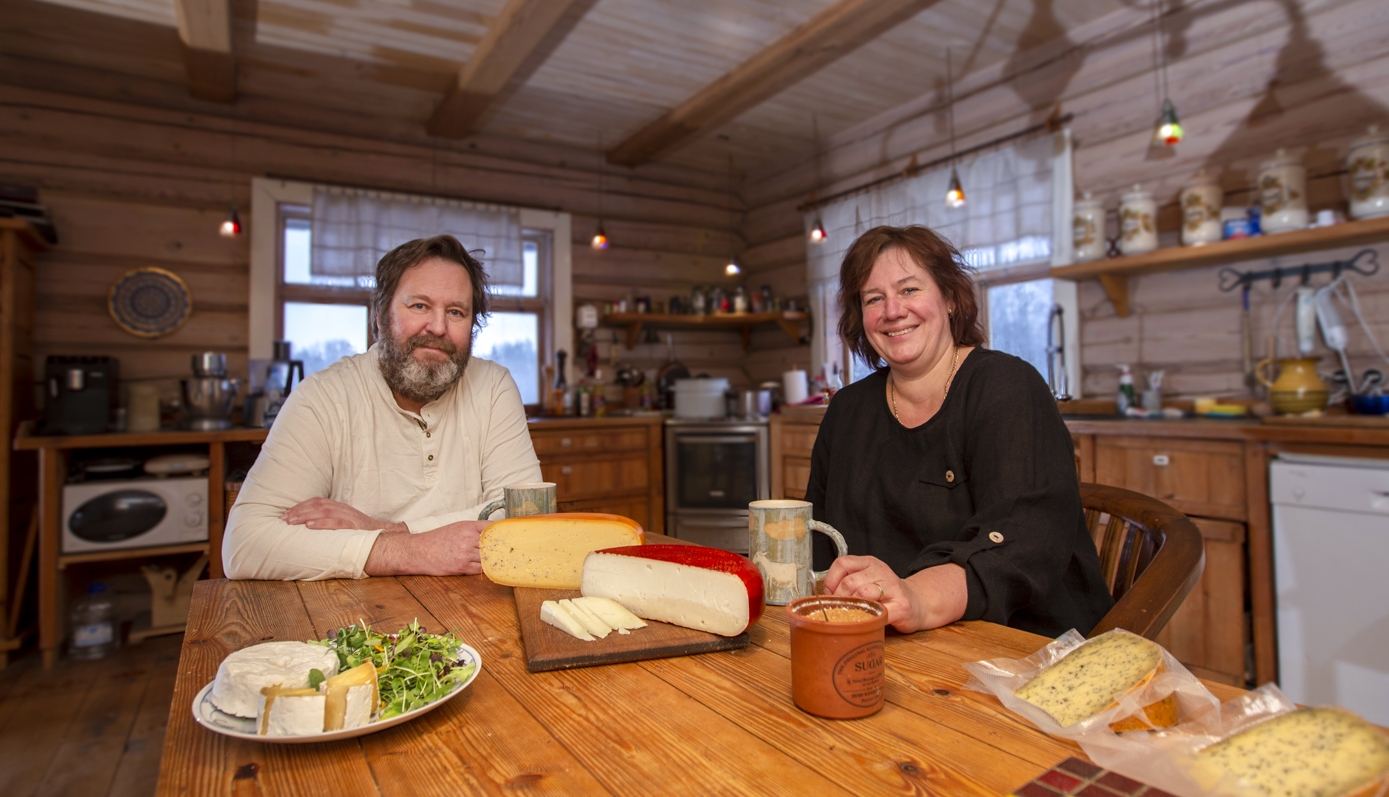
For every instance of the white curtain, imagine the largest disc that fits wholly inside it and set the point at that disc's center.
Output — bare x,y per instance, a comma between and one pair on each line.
353,228
1017,214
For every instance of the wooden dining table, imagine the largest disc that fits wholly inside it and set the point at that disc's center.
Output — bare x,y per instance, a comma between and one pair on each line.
716,723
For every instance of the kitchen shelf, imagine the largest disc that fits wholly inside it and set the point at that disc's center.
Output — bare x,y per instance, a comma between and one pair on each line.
1114,272
788,320
130,553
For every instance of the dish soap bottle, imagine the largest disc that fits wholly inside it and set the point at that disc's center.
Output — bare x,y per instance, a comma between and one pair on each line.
93,625
1125,398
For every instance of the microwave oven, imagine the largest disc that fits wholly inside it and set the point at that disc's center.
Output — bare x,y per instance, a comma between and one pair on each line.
134,513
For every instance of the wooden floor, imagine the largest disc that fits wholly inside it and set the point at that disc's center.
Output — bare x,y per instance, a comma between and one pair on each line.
87,728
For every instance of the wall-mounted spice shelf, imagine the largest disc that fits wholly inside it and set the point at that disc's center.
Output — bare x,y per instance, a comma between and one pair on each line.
788,320
1114,272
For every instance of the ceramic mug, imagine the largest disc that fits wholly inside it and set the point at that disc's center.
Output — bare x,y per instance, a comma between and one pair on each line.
522,500
780,545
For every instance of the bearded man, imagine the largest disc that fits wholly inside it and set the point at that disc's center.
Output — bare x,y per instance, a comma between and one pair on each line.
380,463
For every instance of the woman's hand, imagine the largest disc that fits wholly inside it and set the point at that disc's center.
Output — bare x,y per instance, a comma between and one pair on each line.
931,598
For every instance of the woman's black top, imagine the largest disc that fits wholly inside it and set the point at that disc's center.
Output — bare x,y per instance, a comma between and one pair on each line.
988,483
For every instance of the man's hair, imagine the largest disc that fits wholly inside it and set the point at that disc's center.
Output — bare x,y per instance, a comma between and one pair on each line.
928,250
408,255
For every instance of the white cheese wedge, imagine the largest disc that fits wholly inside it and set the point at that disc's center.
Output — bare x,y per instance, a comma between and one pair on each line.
1091,677
587,619
243,674
559,617
701,588
290,712
612,613
547,551
352,697
1313,752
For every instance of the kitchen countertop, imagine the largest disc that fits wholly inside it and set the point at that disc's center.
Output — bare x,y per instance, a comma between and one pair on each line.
1229,429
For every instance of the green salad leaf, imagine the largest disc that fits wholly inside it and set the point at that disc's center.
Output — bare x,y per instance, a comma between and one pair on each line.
413,667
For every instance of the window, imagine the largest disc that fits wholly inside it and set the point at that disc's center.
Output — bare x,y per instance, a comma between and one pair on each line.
515,333
1018,318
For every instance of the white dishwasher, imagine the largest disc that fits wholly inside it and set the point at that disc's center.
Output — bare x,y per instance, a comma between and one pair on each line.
1331,565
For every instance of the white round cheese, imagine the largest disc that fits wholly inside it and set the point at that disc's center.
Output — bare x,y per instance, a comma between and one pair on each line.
285,664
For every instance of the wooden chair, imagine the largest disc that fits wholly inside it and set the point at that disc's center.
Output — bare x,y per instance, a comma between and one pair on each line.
1150,554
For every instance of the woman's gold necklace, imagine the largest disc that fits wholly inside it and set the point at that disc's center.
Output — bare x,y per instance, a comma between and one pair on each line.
892,385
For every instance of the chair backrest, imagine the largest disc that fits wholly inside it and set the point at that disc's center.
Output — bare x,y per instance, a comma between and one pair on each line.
1151,556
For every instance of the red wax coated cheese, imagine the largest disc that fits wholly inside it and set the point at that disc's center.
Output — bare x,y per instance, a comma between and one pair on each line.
706,589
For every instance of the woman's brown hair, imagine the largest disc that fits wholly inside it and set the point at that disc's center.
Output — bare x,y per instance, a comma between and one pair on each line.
928,250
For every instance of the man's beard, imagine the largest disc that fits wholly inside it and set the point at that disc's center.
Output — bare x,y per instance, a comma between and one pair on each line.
418,381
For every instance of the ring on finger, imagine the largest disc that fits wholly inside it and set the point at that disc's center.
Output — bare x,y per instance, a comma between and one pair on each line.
881,591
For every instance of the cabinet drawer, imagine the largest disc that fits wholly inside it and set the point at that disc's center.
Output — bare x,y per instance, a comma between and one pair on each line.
586,441
796,475
596,476
798,439
1196,477
1208,632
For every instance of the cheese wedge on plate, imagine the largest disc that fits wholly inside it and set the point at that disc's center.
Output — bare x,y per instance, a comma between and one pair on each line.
242,675
1091,678
352,698
290,712
701,588
547,551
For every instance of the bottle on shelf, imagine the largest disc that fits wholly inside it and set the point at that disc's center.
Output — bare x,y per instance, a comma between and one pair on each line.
1126,397
560,391
94,629
583,400
598,400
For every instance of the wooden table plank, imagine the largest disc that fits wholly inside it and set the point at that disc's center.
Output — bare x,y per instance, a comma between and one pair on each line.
463,746
635,733
226,616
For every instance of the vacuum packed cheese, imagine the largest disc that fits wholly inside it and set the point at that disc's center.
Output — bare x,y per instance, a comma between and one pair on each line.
1091,678
548,551
244,673
1312,752
290,712
352,698
701,588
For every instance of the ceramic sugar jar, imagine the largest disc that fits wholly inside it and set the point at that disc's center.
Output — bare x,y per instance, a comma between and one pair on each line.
1089,229
1201,201
1368,166
1137,222
1283,193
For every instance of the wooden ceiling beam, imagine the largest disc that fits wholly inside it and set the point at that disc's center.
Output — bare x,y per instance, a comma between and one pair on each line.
204,26
830,35
524,35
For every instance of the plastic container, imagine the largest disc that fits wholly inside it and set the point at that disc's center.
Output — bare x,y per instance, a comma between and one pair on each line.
700,398
94,633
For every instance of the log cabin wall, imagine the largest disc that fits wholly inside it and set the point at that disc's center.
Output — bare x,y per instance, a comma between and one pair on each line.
1247,78
130,186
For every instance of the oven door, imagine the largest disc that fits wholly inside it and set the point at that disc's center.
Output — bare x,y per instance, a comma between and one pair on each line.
716,470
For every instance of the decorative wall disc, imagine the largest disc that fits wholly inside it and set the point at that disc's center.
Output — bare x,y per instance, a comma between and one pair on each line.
150,302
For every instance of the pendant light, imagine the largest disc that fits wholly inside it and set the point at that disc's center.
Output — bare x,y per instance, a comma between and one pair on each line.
732,269
600,237
817,231
955,192
1169,130
231,226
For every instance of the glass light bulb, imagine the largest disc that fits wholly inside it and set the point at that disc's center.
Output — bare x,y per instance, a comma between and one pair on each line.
732,269
231,225
600,239
817,233
1170,130
955,194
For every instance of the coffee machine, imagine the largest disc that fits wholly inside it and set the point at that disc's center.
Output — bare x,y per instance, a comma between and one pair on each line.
79,393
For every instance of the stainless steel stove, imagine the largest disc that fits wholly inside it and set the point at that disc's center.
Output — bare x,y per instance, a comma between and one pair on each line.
714,469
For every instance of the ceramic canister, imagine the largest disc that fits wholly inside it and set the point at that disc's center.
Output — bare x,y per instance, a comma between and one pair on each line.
1368,165
838,660
1137,222
524,500
1201,202
1283,193
1089,228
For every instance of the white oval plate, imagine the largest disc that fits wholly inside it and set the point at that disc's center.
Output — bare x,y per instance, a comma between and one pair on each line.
214,720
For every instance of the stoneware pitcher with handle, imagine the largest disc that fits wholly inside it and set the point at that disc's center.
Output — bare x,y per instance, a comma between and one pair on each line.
779,543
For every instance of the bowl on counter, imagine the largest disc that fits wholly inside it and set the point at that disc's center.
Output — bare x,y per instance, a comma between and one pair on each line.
1370,405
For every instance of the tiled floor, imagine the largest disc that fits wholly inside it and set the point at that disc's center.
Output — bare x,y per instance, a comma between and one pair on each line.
86,728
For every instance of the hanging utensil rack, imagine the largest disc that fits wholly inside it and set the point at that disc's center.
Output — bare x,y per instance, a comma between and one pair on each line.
1365,263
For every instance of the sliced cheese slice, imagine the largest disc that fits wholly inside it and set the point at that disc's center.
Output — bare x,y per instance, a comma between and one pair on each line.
1093,676
547,551
612,613
1312,751
352,697
290,712
587,619
559,617
701,588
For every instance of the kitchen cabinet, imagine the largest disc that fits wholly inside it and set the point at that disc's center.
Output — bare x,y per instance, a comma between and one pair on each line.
1200,478
792,438
612,465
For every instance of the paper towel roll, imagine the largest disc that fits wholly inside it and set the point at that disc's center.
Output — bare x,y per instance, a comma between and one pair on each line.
794,386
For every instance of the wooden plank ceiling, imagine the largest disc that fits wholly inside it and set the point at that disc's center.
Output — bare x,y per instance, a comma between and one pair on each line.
691,84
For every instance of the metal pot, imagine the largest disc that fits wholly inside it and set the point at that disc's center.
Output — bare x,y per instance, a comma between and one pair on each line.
209,364
207,403
749,404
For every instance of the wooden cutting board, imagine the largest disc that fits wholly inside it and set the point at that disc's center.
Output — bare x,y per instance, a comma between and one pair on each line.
548,648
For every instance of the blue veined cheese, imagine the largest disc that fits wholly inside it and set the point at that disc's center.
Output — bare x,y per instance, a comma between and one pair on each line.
1312,752
290,712
244,673
1092,677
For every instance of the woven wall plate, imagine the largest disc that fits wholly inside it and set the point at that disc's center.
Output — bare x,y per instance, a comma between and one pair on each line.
149,302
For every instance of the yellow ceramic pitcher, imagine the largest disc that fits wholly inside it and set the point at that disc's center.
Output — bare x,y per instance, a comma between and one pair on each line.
1298,388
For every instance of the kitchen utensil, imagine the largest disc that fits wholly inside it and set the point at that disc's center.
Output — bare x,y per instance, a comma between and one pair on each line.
700,398
1201,201
1137,222
280,379
671,371
177,464
1372,383
523,500
1298,388
1283,193
749,404
1247,342
1089,229
1056,353
1368,166
780,544
207,402
837,668
210,363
